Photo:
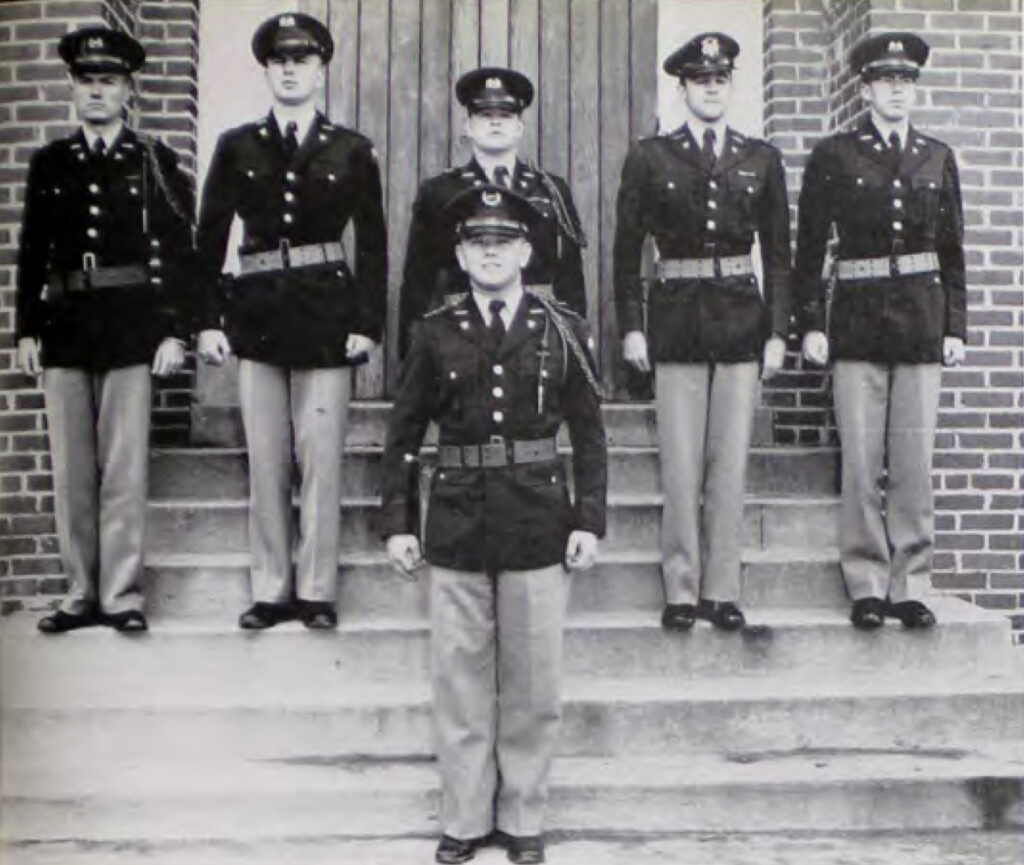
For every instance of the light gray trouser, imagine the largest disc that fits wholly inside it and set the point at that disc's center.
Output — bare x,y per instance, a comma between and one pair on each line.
497,675
705,420
306,410
886,414
99,442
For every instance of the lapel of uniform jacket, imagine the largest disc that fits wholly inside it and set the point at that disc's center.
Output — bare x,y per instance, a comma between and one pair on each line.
78,146
687,148
915,153
468,322
734,151
321,130
527,323
125,146
870,143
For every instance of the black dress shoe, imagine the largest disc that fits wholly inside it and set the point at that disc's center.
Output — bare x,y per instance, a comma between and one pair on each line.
913,614
318,615
868,614
128,622
451,851
60,622
724,615
522,849
262,615
678,617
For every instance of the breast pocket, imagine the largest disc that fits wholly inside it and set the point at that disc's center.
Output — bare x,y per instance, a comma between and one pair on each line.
925,195
255,187
744,189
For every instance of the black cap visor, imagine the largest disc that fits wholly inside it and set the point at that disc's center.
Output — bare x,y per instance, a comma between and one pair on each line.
490,226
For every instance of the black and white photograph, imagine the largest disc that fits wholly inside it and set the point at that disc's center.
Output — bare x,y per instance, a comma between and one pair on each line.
570,431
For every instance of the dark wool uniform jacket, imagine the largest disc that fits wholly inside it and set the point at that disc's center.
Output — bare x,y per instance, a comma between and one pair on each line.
82,209
300,317
692,211
513,517
879,209
431,270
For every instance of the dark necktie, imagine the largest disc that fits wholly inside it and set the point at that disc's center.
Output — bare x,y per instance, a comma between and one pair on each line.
291,142
496,327
99,149
501,176
895,151
708,148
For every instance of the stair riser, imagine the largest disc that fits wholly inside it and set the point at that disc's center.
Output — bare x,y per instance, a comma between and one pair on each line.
627,425
179,474
300,665
224,529
374,590
864,806
594,729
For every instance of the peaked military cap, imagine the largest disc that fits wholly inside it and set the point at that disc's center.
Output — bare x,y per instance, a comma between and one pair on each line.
491,211
494,87
100,49
704,53
889,52
292,34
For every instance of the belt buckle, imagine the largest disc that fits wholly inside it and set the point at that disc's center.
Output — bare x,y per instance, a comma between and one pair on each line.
286,251
88,261
495,452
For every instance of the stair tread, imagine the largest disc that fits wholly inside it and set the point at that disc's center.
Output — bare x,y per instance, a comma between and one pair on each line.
129,780
591,848
948,610
781,687
750,555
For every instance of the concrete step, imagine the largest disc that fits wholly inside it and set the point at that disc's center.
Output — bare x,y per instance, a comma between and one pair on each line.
221,525
602,718
630,424
202,658
957,847
807,790
216,585
222,473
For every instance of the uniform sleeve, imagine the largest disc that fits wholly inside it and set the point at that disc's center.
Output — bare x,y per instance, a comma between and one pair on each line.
33,250
216,212
950,248
589,444
171,217
630,230
570,287
419,272
814,222
773,230
414,406
371,246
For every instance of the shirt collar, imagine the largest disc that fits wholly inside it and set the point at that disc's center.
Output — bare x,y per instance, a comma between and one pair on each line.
303,120
697,128
512,298
109,137
488,166
886,129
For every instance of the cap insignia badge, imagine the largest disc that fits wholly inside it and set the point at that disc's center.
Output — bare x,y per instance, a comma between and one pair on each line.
710,48
493,83
896,47
286,21
491,198
94,42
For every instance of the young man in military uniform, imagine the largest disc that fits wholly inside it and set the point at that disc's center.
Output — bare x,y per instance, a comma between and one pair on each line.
499,370
898,313
701,192
495,100
296,316
100,307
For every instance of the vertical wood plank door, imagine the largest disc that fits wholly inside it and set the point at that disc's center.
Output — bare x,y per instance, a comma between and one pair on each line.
593,62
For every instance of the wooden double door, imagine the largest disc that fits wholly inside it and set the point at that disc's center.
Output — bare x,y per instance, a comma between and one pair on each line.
593,62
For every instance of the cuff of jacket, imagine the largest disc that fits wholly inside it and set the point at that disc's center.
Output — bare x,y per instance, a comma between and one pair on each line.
591,519
396,518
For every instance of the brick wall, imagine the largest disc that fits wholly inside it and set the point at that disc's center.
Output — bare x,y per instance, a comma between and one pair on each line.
970,97
34,109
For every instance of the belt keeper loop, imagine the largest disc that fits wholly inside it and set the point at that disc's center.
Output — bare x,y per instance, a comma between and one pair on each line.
285,246
717,264
88,261
894,265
